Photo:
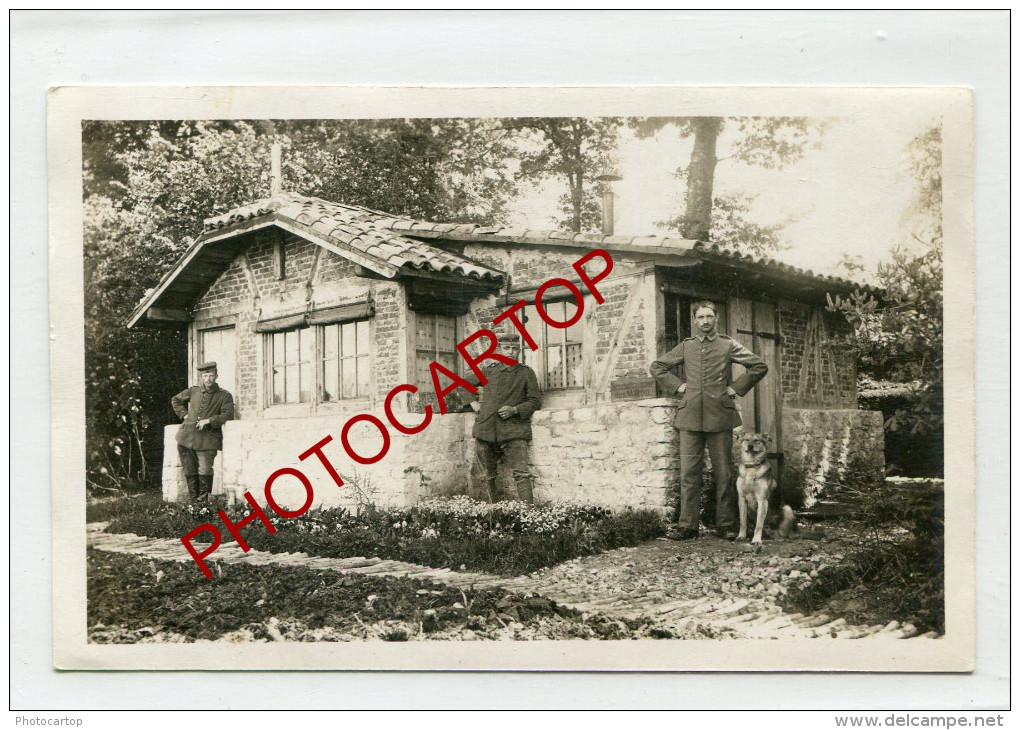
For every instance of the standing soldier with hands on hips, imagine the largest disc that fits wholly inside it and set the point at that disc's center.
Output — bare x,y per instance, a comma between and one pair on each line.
707,415
204,408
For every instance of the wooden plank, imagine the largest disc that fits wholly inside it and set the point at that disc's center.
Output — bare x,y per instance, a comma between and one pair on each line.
741,318
768,388
169,315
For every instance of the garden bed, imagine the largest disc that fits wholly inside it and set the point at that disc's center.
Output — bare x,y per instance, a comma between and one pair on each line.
138,600
508,538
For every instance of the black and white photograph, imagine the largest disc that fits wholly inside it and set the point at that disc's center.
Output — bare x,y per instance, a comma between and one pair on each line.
642,386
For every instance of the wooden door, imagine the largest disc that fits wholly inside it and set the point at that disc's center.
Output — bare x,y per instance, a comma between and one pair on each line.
218,345
754,325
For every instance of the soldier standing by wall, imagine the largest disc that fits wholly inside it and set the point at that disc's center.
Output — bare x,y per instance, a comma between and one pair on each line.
502,428
707,415
204,408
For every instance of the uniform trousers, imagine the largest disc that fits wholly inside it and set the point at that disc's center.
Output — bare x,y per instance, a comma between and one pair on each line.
692,467
515,453
196,461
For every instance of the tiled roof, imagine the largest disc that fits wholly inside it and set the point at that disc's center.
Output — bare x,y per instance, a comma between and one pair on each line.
640,244
359,229
368,228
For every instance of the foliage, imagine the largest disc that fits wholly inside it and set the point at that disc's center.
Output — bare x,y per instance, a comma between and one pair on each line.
900,337
767,142
131,599
147,188
574,149
507,537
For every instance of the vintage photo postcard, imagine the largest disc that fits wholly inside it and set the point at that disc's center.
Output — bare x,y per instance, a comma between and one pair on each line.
643,379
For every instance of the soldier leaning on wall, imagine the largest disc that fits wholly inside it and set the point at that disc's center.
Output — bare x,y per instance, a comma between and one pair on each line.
502,430
204,408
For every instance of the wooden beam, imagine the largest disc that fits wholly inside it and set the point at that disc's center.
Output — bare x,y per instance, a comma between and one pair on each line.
164,314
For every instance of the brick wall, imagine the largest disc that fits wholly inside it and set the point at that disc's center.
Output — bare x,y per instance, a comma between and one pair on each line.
829,377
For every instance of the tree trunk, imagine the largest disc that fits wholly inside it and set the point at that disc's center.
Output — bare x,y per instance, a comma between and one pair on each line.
701,178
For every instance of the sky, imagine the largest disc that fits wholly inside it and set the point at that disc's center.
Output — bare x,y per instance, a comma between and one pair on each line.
849,196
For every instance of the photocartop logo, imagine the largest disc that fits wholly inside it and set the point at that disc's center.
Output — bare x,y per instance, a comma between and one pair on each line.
510,314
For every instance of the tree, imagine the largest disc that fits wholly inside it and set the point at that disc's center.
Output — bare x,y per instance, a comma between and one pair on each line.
769,142
900,338
574,149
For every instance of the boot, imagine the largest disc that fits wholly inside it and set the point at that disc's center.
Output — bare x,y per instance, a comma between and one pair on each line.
490,489
525,489
205,486
193,488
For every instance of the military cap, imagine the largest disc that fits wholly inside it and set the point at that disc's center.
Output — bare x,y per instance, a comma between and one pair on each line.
207,366
508,338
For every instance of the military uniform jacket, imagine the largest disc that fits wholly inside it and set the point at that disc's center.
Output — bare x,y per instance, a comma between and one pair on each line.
197,403
707,367
515,385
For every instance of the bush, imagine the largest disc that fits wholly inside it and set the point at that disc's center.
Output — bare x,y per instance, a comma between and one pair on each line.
460,533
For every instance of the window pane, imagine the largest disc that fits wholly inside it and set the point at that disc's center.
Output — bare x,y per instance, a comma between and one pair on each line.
307,347
290,346
554,364
306,382
348,339
291,393
350,377
278,393
277,345
574,374
330,375
364,376
330,341
363,347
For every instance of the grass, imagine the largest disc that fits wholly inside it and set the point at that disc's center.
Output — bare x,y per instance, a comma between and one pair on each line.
509,538
132,599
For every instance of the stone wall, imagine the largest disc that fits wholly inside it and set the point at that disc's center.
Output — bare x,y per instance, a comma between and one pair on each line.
824,449
614,454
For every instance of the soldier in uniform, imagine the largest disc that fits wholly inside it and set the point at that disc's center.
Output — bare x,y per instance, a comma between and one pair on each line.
707,415
502,428
204,408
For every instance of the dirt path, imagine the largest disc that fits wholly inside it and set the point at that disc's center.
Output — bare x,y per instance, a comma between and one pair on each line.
704,588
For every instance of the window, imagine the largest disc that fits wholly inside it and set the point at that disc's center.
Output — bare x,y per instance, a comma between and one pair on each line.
290,354
558,360
345,360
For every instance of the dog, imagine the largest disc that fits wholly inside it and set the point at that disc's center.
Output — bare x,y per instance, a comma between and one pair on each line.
756,486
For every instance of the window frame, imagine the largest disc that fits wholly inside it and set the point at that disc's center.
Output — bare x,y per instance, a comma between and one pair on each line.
316,402
538,360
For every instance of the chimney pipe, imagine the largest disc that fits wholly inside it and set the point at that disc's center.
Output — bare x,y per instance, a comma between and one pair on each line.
608,214
276,170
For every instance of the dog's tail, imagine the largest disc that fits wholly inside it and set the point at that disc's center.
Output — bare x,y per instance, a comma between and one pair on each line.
789,523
